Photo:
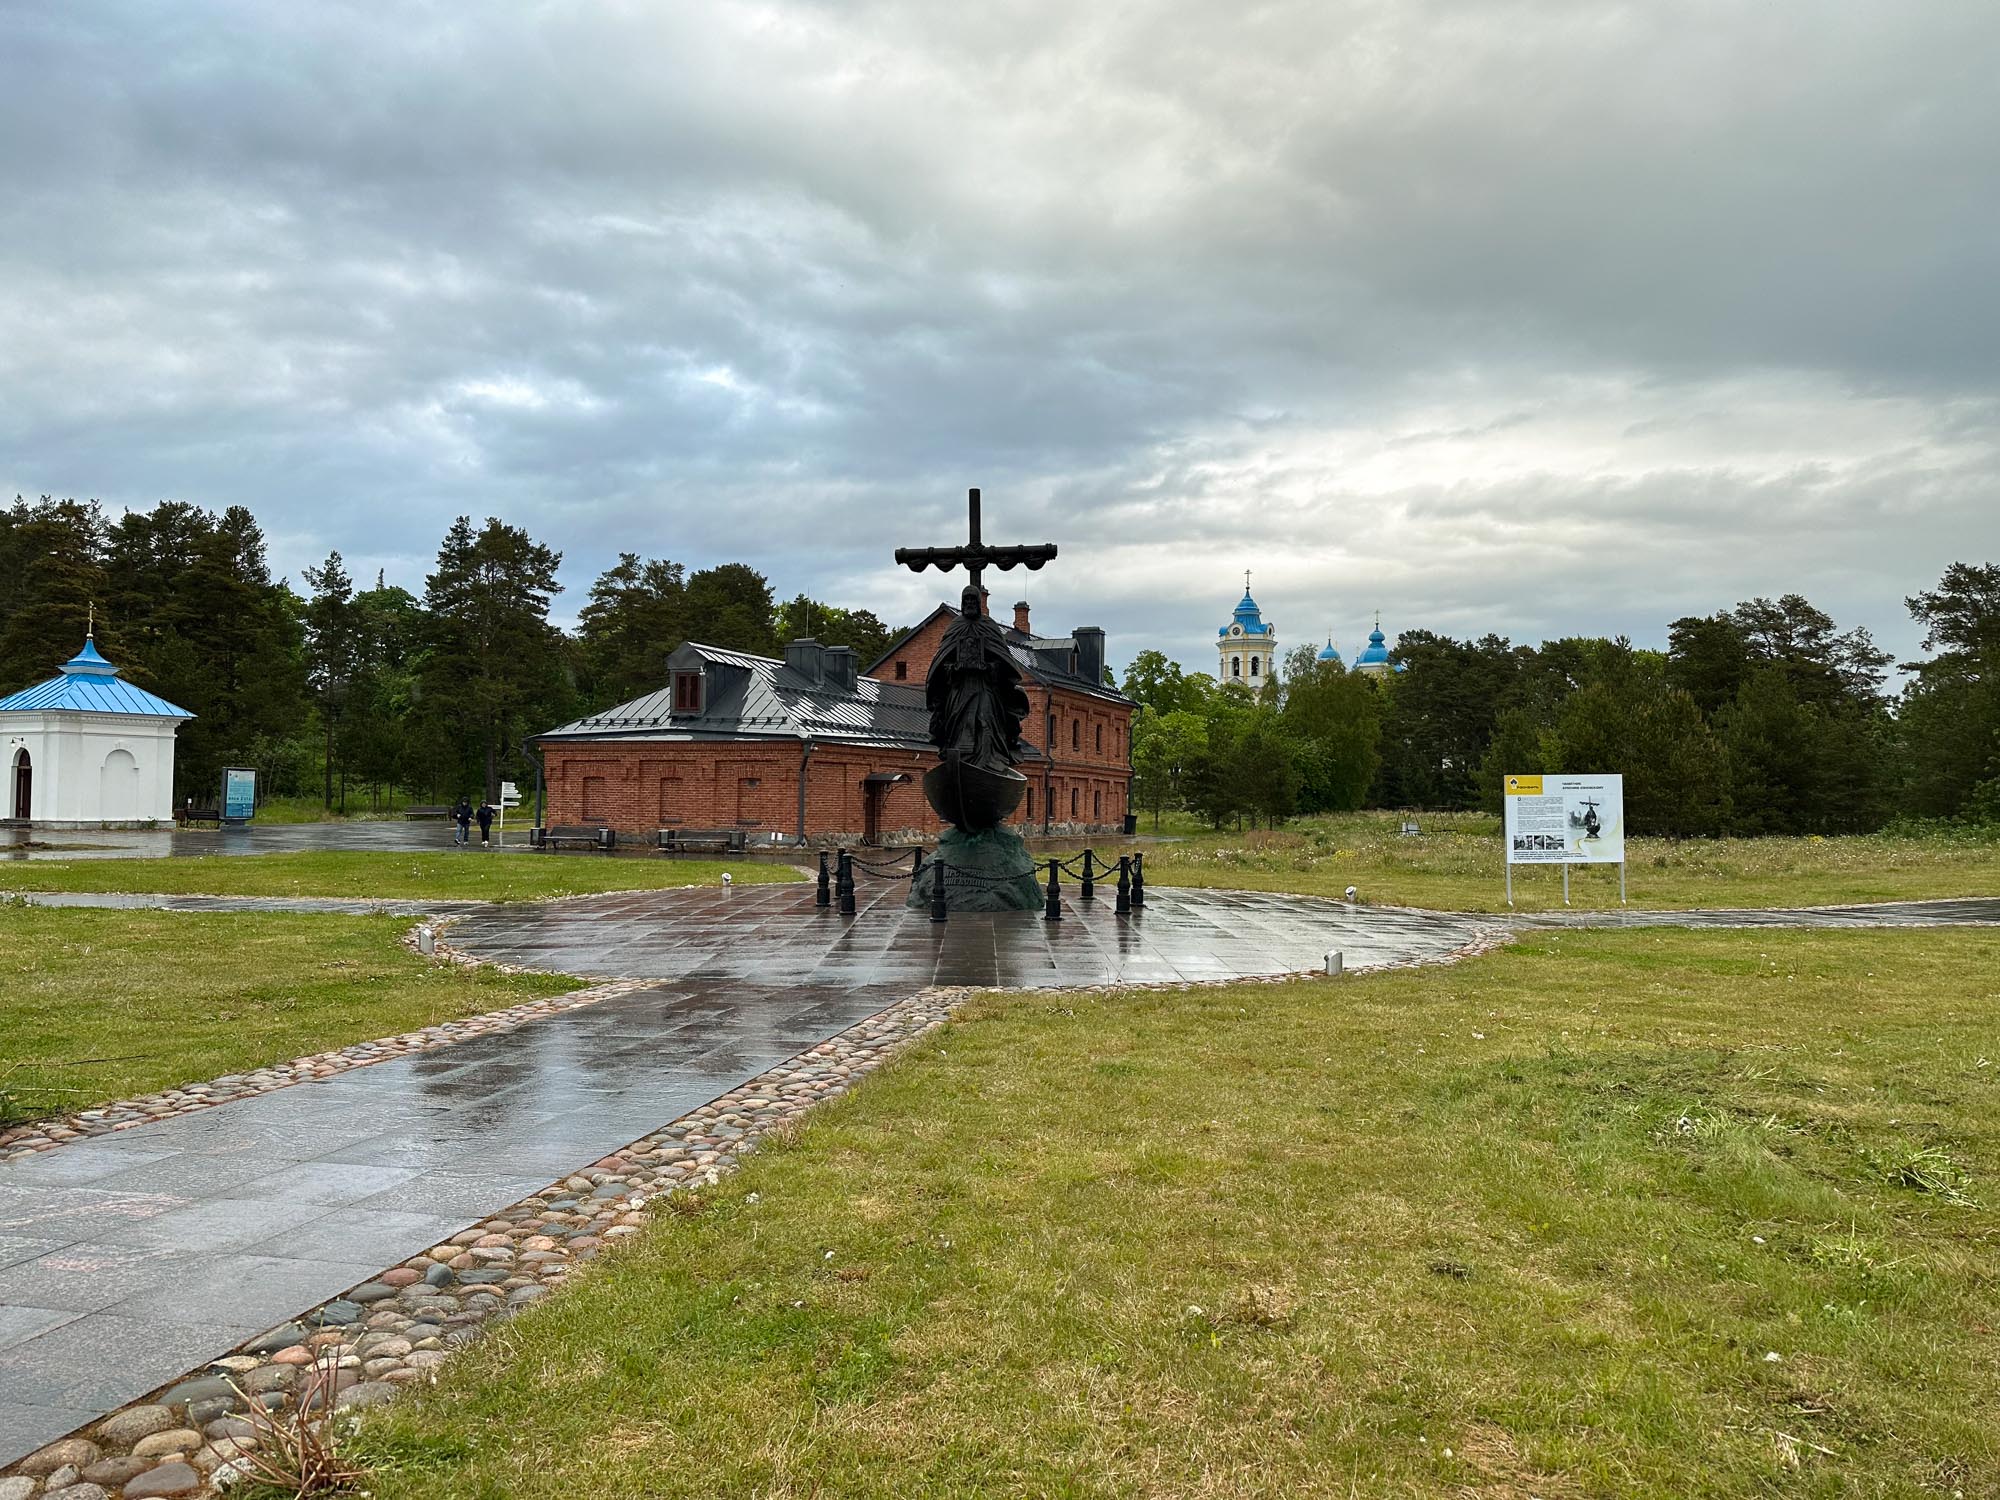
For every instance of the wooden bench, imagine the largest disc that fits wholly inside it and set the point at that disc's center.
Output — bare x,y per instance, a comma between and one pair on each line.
425,810
198,817
580,837
710,840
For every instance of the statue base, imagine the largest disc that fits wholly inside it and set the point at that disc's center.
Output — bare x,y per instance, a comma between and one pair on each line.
987,871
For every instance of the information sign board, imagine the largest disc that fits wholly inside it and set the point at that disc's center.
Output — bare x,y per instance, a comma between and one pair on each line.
1565,820
239,794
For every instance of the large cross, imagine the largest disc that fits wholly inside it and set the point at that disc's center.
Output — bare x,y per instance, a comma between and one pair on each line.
975,555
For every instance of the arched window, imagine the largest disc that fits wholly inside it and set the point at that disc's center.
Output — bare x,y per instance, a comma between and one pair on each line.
1235,666
1253,666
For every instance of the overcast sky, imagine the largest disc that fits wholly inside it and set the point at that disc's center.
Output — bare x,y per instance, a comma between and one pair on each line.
1534,318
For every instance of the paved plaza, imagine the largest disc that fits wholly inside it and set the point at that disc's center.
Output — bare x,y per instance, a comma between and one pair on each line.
130,1258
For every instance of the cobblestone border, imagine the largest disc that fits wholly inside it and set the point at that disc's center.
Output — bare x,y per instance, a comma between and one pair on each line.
399,1326
46,1135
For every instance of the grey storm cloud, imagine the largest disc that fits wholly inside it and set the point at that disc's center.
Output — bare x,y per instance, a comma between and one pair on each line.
1537,318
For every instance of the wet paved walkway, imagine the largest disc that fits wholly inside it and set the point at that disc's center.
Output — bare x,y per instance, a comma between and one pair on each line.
128,1259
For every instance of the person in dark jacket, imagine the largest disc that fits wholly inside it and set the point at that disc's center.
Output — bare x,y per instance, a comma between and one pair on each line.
485,824
462,816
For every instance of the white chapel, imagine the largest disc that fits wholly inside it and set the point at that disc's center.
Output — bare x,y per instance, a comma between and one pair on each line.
87,750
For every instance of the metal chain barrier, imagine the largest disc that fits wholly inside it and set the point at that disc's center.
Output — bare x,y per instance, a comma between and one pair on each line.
836,886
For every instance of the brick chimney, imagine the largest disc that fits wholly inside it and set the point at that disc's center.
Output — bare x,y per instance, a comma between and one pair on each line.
1021,617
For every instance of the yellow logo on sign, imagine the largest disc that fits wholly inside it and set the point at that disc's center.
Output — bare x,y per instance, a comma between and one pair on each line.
1524,786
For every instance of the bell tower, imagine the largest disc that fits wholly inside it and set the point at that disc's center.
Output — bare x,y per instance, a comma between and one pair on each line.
1247,647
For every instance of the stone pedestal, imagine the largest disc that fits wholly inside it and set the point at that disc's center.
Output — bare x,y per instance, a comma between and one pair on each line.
989,871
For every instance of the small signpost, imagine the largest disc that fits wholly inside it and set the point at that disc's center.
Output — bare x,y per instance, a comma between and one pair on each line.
510,796
1564,820
239,794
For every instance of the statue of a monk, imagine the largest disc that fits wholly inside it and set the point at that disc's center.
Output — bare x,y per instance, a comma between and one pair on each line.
977,704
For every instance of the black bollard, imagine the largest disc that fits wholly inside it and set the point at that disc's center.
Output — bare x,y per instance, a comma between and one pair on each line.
1052,910
1124,886
916,863
1089,891
844,884
1138,882
821,896
938,872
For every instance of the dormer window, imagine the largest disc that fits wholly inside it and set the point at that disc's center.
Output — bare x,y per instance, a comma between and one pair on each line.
687,692
902,671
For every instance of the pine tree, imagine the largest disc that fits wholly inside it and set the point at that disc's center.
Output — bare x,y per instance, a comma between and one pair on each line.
495,665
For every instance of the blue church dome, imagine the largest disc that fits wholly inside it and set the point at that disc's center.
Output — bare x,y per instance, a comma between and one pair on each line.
1248,615
1327,652
1374,657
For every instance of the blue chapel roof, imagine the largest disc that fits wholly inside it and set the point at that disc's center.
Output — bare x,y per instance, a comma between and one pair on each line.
1328,652
90,684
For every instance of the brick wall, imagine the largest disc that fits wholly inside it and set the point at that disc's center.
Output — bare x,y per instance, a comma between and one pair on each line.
639,787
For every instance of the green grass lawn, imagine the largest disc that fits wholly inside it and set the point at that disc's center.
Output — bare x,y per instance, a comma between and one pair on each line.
441,874
98,1005
1455,865
1643,1213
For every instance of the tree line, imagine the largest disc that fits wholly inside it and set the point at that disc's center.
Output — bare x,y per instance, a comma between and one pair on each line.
379,690
1764,718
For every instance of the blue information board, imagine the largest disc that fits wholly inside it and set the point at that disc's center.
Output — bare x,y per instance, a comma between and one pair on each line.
239,794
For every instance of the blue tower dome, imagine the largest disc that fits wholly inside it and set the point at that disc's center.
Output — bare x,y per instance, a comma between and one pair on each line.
1248,616
1327,652
1374,657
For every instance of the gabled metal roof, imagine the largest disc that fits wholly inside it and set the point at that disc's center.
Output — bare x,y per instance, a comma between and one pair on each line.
760,697
90,684
1044,658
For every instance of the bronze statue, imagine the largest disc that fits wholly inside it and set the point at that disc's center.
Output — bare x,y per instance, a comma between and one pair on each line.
977,704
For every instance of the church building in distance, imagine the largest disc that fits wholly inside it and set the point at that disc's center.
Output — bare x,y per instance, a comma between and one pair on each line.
813,745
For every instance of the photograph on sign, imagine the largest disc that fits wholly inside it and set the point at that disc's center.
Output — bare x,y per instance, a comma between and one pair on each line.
1564,820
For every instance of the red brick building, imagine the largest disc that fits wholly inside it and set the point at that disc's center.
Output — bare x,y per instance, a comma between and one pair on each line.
811,747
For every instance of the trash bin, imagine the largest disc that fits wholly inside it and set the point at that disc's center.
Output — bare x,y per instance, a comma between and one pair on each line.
1131,824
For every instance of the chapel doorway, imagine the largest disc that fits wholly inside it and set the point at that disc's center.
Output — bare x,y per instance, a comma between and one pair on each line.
24,786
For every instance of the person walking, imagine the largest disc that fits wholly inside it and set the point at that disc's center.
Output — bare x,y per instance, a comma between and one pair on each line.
462,816
485,824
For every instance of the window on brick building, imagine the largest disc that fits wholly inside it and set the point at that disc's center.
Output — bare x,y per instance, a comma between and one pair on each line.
1097,806
1031,804
1100,739
902,671
1072,801
687,692
1076,734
